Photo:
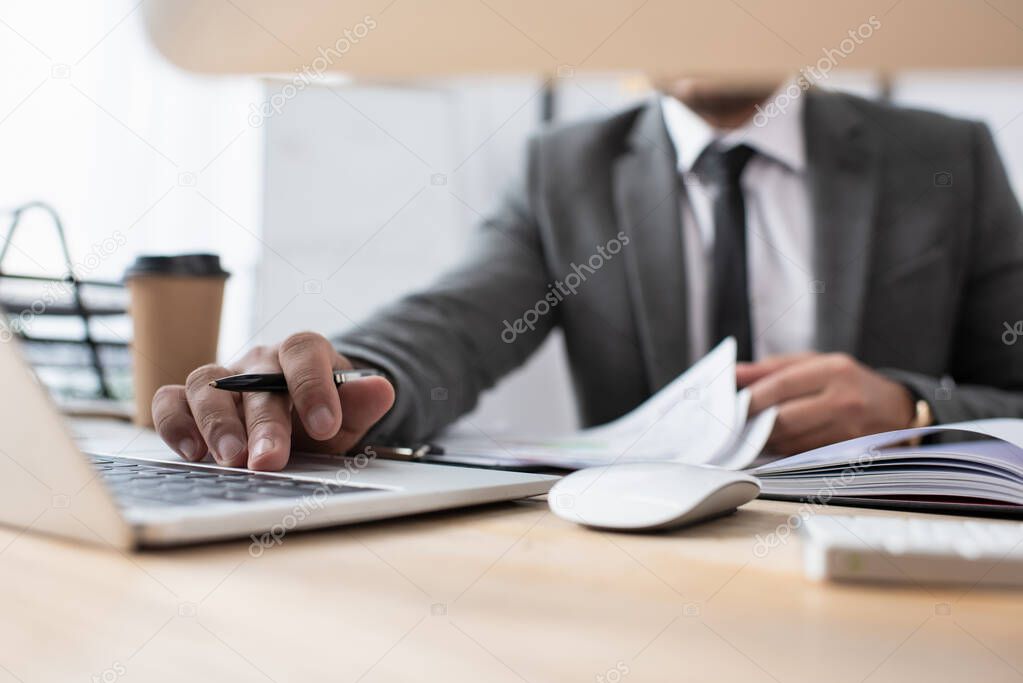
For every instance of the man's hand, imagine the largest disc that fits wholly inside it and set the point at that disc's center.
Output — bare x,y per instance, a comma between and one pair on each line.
257,429
823,399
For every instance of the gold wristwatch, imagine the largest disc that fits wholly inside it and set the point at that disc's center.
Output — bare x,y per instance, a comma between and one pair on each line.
923,418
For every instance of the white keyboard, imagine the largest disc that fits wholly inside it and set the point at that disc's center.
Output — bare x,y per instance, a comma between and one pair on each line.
913,550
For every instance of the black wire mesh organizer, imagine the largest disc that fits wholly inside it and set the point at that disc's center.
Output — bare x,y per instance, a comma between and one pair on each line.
73,363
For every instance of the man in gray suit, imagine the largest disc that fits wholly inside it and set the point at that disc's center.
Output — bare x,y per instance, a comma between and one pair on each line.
866,258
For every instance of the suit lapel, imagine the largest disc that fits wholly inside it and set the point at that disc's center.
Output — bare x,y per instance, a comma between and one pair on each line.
646,200
843,169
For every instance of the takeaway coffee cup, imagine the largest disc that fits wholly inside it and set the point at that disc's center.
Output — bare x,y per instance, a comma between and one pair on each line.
175,308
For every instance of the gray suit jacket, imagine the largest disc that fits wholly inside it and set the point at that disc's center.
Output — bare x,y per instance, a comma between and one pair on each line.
918,250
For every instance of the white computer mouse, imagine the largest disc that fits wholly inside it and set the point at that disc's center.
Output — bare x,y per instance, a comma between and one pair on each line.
648,496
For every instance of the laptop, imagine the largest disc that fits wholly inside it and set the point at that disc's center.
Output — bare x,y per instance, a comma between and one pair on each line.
122,487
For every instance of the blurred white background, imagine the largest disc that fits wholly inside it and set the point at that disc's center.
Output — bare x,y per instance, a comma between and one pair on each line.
350,195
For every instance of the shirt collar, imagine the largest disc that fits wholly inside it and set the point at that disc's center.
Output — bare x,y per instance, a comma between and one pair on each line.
779,137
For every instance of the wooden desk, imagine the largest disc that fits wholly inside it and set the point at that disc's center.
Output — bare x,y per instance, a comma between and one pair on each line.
500,593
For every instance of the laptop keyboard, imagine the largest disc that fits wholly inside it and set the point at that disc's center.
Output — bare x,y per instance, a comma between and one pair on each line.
136,482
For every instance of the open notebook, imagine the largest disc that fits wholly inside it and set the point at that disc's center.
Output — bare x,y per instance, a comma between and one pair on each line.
976,476
697,418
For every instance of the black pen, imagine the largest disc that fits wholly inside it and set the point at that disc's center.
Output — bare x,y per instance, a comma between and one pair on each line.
278,383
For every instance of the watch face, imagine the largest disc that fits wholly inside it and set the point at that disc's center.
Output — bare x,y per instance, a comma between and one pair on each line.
924,418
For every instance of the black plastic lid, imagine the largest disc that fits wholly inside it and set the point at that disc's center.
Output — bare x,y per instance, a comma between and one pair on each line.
191,265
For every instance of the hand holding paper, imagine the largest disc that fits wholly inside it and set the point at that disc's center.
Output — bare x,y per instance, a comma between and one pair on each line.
824,398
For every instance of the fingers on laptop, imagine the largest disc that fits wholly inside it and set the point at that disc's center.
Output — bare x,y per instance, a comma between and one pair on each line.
175,423
256,429
363,403
308,360
217,415
267,416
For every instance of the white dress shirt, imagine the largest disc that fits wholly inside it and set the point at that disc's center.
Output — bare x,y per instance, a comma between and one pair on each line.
779,227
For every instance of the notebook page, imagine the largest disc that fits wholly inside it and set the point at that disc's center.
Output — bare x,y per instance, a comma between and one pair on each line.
866,447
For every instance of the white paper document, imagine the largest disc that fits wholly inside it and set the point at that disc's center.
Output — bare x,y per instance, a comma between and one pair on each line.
698,418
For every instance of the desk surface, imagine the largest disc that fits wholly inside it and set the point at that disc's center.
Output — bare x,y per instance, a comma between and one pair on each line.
502,593
505,592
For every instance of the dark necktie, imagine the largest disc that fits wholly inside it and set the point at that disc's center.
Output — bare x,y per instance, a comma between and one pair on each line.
730,310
